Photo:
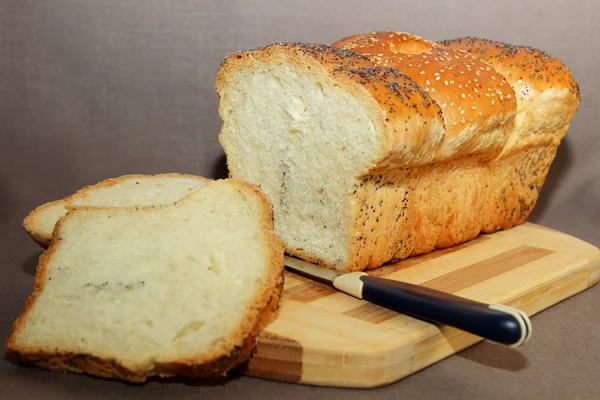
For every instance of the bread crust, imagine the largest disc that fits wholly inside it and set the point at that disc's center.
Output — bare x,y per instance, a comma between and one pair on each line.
43,237
475,99
410,121
32,227
529,70
447,203
542,84
230,353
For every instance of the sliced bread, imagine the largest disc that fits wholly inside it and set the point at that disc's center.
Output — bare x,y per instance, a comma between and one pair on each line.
178,289
124,191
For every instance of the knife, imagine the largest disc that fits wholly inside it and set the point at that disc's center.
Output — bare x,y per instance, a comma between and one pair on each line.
496,322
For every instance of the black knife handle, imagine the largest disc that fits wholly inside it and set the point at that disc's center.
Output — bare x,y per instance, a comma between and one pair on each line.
496,322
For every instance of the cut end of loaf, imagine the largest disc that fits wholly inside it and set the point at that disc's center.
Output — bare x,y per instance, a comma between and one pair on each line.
286,122
180,289
305,122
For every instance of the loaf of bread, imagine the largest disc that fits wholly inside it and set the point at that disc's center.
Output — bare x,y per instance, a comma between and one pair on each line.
124,191
386,145
179,289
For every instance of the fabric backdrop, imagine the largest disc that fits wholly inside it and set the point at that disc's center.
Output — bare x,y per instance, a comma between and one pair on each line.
96,89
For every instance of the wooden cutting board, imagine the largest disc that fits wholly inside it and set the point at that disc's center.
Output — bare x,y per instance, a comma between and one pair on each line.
323,337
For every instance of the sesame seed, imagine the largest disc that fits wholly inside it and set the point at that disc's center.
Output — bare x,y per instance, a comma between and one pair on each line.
446,83
437,78
454,123
422,72
462,112
427,82
462,95
473,108
492,101
480,114
462,120
437,74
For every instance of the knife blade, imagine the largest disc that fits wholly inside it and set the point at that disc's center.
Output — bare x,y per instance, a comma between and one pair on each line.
496,322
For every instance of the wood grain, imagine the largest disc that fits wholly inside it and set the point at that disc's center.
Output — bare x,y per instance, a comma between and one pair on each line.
276,357
486,269
323,337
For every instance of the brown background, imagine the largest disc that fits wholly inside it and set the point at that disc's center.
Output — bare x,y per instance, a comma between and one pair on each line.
95,89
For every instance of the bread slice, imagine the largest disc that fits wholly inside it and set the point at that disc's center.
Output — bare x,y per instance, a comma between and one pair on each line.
180,289
124,191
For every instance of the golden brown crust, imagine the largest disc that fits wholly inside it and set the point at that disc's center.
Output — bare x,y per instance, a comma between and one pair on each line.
543,85
386,42
32,227
530,71
411,120
407,212
43,238
474,98
240,345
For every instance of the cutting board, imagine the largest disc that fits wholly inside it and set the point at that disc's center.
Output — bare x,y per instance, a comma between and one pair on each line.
323,337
